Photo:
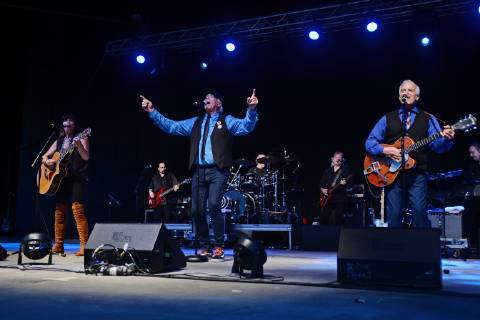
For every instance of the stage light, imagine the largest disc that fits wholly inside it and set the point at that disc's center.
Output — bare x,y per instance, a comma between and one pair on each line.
425,41
372,26
203,65
35,246
249,255
230,46
313,35
140,59
478,9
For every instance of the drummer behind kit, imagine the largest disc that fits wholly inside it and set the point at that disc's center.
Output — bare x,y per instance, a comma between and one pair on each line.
256,195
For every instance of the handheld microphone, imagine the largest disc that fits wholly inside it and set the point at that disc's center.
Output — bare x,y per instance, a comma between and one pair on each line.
404,99
198,104
51,125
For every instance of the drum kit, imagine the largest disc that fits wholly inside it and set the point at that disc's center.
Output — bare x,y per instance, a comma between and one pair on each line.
259,195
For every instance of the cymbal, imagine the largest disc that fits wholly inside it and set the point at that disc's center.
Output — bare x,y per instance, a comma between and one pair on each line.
244,162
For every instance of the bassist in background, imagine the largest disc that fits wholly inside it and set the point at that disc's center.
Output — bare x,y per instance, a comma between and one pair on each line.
333,188
419,125
162,181
73,186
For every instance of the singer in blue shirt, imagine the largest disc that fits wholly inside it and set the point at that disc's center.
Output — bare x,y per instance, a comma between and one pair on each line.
418,125
211,156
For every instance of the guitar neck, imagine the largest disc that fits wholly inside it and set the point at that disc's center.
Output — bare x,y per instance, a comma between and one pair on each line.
423,142
164,193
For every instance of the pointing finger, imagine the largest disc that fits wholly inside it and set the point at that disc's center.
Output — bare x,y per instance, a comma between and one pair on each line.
253,93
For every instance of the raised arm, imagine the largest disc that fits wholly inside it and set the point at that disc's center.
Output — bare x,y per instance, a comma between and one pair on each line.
240,127
178,128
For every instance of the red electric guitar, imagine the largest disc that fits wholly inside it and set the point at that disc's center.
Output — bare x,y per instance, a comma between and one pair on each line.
325,198
159,196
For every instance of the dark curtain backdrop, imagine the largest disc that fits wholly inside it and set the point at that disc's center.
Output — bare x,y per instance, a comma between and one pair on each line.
315,98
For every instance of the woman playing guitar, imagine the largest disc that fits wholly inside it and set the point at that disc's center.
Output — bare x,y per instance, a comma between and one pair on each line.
72,186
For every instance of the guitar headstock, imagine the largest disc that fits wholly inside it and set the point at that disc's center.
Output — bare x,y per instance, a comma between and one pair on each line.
466,124
85,133
188,180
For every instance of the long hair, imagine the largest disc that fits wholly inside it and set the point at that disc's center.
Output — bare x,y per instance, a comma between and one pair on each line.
72,117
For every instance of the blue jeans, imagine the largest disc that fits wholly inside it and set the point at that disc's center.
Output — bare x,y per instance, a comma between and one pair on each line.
416,188
207,192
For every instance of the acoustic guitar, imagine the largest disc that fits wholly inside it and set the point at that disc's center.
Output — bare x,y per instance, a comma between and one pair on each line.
382,171
159,196
50,178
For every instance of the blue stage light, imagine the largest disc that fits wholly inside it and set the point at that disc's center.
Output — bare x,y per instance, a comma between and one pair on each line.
230,46
372,26
478,9
140,59
203,65
313,35
425,41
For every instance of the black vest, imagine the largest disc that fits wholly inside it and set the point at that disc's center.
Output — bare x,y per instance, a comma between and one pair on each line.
77,167
221,142
417,131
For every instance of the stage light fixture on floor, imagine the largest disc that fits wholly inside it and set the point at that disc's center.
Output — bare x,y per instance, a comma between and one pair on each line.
372,26
140,59
313,35
35,246
249,255
425,41
230,46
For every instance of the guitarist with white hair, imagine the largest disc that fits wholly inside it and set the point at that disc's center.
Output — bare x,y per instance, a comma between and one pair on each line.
418,125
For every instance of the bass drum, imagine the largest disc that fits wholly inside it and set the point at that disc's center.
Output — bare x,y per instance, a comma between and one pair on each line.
239,205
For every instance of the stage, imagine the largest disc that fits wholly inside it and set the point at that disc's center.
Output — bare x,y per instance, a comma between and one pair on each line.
298,284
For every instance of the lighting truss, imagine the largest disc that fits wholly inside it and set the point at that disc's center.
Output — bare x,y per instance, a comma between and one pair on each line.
346,15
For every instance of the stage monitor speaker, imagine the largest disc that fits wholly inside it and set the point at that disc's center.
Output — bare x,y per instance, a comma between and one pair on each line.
320,238
391,257
157,251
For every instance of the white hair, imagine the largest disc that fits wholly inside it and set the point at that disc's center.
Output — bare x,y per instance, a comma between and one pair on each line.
417,88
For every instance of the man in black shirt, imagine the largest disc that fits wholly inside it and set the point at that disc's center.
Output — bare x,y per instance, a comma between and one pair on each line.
162,181
333,186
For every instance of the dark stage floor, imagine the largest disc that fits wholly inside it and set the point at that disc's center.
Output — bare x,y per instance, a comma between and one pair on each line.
62,290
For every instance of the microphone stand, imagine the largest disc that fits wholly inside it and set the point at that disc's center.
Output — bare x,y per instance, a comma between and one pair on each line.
402,151
36,207
197,257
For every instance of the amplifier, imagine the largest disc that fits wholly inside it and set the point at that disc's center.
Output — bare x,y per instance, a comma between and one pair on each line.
450,224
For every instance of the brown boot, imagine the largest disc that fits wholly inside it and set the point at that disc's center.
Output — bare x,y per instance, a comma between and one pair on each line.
60,212
82,226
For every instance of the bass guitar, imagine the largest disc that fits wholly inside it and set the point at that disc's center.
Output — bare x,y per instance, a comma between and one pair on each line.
50,178
382,171
159,196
